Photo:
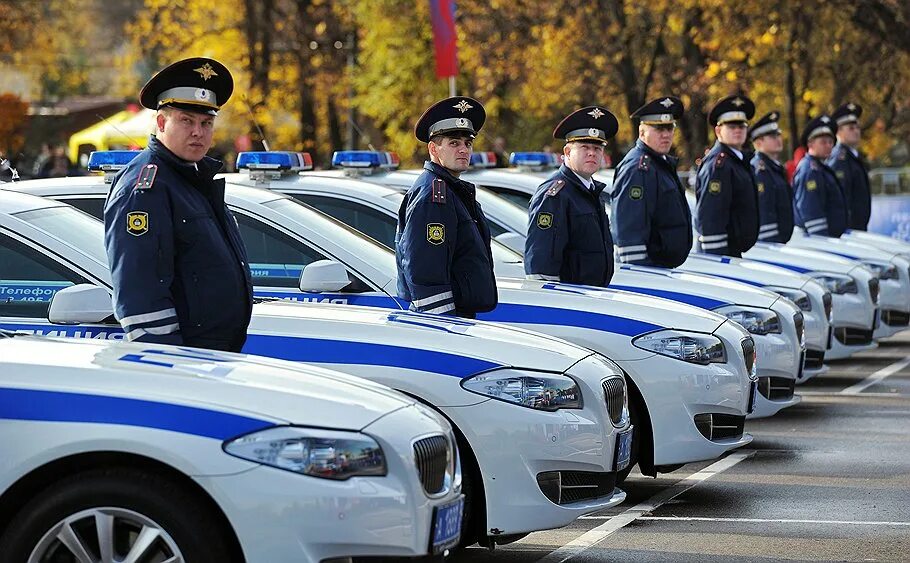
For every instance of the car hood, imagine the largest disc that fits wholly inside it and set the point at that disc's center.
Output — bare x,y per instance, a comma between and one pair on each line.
799,260
752,272
328,333
248,387
693,289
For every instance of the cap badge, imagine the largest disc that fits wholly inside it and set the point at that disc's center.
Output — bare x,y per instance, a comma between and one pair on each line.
462,106
773,116
666,117
461,122
737,102
202,94
667,102
594,132
596,113
851,106
825,119
206,71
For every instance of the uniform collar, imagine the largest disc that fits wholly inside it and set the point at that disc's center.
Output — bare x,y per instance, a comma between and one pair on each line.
443,172
576,180
667,159
206,168
589,184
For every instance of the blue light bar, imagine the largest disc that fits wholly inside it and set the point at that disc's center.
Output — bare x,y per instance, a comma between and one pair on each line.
364,159
483,159
540,159
279,161
109,161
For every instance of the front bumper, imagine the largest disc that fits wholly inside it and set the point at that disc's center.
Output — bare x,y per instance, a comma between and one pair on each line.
774,394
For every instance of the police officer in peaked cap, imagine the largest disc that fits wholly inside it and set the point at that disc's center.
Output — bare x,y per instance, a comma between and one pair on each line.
652,224
819,203
775,196
443,242
178,264
726,209
569,232
849,165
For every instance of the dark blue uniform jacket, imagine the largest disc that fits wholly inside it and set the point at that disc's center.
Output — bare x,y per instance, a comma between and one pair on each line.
569,232
819,203
726,209
851,172
652,224
775,199
443,247
178,264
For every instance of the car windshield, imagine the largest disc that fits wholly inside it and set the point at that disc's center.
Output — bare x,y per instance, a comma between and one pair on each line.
71,226
354,241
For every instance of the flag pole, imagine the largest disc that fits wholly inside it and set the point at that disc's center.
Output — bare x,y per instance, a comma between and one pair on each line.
452,86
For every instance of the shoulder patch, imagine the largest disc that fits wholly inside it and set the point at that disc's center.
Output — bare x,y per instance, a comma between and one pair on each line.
137,223
842,155
544,220
146,177
439,191
811,185
555,187
714,187
840,174
761,164
761,187
813,165
643,162
719,161
436,233
635,192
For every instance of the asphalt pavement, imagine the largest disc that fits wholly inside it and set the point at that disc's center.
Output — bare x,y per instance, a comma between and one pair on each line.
825,480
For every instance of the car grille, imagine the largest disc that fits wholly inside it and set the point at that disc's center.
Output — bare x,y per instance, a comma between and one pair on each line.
715,426
853,336
895,318
749,354
798,320
432,458
615,397
873,290
814,359
776,388
828,304
566,487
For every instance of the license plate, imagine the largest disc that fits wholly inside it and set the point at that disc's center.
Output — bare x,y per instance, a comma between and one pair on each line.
752,393
623,449
446,526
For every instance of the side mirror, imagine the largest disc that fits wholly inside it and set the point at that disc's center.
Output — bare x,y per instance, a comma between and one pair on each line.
514,241
83,303
324,275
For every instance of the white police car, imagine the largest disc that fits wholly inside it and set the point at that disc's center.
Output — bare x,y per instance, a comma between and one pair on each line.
137,452
775,323
689,373
543,425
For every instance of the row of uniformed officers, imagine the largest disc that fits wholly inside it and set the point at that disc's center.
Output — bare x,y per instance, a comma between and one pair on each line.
443,243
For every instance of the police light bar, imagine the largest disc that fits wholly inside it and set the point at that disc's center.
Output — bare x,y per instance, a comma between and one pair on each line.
274,161
483,160
533,159
365,159
109,161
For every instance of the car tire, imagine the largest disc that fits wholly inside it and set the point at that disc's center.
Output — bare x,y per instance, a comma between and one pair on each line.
118,504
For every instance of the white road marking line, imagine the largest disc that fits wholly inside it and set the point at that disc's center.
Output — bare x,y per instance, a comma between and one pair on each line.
594,536
876,377
773,521
840,394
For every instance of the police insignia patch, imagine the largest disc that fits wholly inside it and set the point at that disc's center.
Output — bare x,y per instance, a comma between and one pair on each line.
761,188
147,177
714,187
137,223
436,233
635,192
544,220
840,174
811,185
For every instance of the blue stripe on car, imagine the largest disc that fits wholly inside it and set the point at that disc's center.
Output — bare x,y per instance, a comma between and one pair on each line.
58,406
694,300
511,313
785,266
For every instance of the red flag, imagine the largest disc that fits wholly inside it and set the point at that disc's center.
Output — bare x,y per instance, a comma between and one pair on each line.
444,40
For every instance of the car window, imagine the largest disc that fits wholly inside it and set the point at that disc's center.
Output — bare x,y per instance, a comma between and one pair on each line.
70,226
29,279
276,259
93,206
519,197
377,224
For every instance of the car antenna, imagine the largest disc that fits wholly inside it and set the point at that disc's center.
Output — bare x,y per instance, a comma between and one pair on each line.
265,143
360,132
119,130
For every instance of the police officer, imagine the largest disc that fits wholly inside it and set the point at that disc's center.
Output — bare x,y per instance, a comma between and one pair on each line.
178,264
775,196
652,224
569,232
849,166
726,209
819,202
443,242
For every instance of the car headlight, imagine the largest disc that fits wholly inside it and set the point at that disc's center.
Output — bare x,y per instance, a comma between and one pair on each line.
542,391
798,296
328,454
883,270
753,319
838,284
693,347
